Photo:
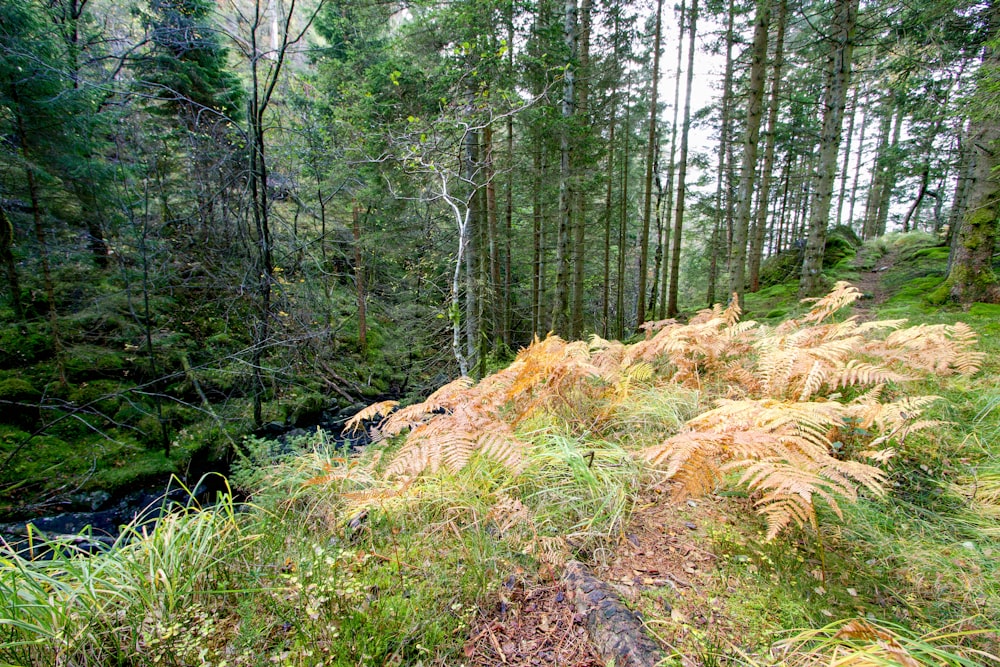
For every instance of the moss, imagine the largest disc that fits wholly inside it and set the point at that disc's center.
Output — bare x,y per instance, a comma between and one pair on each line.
18,391
24,345
915,291
102,395
780,268
846,233
84,362
938,253
305,410
939,296
985,311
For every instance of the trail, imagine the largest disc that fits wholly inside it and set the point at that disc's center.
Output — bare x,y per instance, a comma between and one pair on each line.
870,283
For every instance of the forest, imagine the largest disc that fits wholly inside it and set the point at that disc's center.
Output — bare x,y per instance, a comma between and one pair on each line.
544,278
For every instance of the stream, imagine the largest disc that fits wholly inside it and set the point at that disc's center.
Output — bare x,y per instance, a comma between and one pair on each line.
91,522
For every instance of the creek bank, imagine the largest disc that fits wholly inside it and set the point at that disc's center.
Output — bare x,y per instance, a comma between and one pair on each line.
92,521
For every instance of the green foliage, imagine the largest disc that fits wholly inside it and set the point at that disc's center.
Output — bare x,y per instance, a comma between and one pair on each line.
187,66
16,389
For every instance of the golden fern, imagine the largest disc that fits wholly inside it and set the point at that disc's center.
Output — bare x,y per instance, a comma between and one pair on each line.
783,450
705,345
775,428
842,295
354,424
941,349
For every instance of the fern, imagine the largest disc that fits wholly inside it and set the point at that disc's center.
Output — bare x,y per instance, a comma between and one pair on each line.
354,424
771,433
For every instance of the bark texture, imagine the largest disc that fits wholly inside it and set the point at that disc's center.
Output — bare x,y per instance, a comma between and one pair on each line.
835,98
615,630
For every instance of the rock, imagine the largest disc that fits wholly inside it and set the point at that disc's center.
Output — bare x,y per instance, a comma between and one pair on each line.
92,501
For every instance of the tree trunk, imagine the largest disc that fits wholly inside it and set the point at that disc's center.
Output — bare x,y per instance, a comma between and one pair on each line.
847,156
675,241
758,55
857,168
560,314
580,224
359,281
471,166
536,234
721,182
924,180
757,246
654,88
971,277
960,200
509,212
890,170
835,97
665,276
623,218
10,268
491,295
870,229
608,217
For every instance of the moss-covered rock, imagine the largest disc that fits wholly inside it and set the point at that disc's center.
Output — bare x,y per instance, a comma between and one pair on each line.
19,402
780,268
85,362
24,345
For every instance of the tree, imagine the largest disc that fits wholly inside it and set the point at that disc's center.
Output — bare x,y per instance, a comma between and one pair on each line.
654,87
265,69
737,256
675,241
838,74
971,277
760,229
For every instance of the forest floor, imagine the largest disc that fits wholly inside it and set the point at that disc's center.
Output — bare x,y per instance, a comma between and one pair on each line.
663,565
870,281
335,563
696,573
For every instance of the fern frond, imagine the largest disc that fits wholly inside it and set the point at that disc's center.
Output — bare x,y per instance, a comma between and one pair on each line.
857,372
843,294
813,381
503,448
639,371
731,315
691,459
447,395
780,511
937,348
551,550
879,455
405,418
508,512
354,424
650,328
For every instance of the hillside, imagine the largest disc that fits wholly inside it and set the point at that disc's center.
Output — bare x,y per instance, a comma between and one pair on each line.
812,484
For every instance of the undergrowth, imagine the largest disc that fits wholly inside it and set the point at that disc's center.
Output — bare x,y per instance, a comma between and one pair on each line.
826,432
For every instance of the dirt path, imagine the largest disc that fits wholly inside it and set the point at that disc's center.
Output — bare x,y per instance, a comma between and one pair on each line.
663,558
870,282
